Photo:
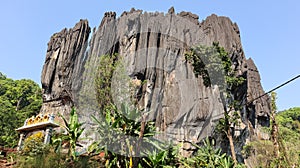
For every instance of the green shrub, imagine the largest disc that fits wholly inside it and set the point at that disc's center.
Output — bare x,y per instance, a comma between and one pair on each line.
34,145
209,156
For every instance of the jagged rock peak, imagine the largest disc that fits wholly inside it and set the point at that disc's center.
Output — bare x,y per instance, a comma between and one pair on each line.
171,10
108,16
132,10
192,17
223,30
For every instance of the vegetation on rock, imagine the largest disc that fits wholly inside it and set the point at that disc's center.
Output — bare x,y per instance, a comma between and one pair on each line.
107,65
214,65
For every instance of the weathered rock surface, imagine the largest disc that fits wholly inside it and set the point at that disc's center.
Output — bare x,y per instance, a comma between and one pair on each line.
152,46
63,65
259,108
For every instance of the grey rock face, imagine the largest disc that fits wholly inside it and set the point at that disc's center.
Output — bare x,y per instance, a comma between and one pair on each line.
152,47
260,112
63,65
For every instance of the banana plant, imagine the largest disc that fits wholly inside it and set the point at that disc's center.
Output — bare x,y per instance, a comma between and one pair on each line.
74,130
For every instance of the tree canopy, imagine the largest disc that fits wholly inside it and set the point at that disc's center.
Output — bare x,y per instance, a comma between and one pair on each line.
19,99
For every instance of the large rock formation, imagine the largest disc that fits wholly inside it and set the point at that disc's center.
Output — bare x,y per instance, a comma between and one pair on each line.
63,65
152,46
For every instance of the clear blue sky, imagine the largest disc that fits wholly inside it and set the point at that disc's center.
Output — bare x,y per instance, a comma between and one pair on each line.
270,32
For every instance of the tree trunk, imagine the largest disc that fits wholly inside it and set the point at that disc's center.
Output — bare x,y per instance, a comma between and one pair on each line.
274,131
275,137
19,103
229,136
136,160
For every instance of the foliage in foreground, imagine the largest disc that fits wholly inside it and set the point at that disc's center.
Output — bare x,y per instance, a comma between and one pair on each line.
49,159
207,156
36,154
74,130
114,126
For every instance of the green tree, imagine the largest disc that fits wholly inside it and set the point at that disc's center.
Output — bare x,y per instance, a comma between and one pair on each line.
214,65
289,135
19,100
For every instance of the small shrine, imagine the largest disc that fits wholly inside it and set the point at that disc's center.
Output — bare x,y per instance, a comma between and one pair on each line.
42,123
